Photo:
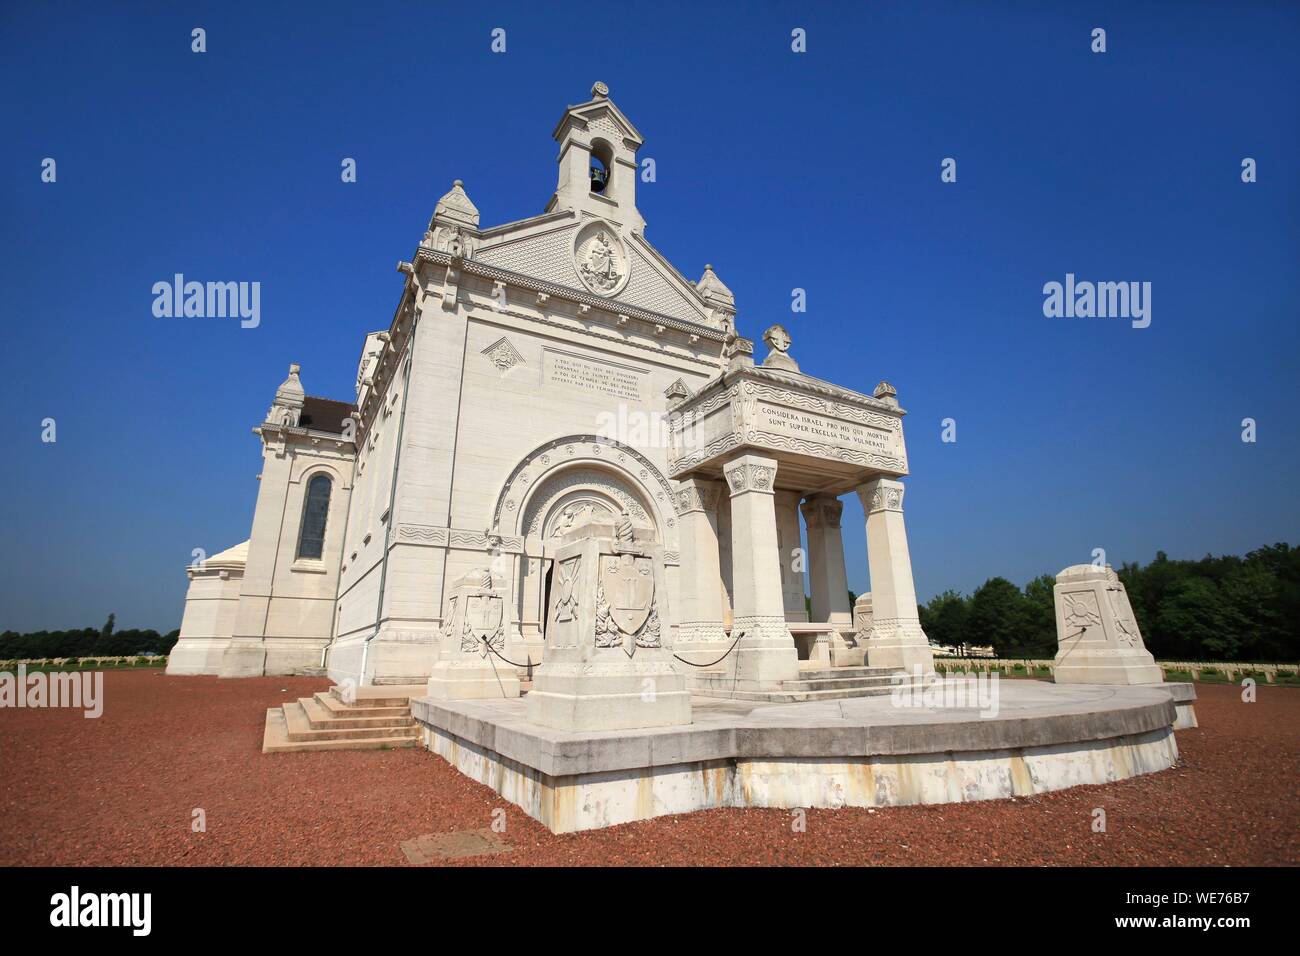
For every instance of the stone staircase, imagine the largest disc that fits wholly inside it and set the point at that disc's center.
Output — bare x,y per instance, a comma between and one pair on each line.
379,718
813,683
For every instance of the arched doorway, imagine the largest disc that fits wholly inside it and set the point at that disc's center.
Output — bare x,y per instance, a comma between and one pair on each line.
549,491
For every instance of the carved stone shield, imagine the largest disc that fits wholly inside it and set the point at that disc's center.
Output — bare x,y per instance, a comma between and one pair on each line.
483,616
629,585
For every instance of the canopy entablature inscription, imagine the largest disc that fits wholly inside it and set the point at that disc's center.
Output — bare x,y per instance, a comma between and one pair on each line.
826,439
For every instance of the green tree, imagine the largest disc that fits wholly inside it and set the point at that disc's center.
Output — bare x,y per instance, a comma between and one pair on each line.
944,619
997,617
1039,626
1195,610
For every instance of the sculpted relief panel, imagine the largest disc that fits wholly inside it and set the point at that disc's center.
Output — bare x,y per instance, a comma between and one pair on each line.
600,258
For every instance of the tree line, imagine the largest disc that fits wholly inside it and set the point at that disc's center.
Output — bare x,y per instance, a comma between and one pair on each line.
105,641
1227,608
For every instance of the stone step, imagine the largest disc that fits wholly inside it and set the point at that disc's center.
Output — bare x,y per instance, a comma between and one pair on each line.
322,718
300,728
374,697
337,708
275,739
797,696
822,672
837,683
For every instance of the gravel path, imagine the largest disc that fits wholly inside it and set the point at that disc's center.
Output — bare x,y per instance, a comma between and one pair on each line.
121,790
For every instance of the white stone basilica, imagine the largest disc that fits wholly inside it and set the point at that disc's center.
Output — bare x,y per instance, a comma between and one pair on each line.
538,377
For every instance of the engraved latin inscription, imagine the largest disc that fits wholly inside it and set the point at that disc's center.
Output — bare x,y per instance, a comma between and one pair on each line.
833,431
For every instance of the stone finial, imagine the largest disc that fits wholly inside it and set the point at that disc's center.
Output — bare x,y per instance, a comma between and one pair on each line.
291,387
886,393
737,352
624,534
455,207
289,399
676,393
713,291
778,341
599,91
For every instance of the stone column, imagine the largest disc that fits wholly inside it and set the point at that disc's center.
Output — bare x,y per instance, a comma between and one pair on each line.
895,639
788,538
700,635
829,580
766,653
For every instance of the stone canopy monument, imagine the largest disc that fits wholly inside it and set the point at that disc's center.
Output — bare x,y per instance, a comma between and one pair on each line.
563,477
536,376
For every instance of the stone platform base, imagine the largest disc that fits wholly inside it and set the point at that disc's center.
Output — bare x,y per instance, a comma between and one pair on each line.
1183,695
861,752
815,682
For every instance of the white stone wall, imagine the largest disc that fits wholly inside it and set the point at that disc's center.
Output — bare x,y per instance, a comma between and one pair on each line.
286,604
208,622
488,387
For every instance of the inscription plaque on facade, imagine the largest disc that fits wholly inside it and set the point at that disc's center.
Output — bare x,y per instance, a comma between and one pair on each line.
567,370
820,428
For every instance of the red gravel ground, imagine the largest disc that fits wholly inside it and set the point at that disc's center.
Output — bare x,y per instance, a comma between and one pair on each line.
120,790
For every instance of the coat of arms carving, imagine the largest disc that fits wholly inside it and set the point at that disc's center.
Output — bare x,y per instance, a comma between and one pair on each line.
626,615
484,615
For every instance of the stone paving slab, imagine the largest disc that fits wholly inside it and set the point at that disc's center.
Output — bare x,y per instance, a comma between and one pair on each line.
1030,714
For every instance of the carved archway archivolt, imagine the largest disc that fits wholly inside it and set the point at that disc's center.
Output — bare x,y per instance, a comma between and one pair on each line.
578,466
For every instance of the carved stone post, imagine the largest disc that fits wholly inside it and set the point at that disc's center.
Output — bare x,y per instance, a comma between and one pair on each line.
700,634
477,632
1099,640
606,665
766,653
895,639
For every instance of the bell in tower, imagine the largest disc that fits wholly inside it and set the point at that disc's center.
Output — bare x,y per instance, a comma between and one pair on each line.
598,165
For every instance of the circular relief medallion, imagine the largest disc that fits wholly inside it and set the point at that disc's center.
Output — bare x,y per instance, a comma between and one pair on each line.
600,258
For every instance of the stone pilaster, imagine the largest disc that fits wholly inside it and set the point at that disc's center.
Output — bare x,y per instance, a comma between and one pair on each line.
828,578
700,635
766,653
895,639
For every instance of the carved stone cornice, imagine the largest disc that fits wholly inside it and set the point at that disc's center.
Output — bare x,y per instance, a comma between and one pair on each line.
799,382
497,274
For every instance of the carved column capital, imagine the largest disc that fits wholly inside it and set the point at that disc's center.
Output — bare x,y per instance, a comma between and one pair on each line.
750,473
822,511
881,494
697,494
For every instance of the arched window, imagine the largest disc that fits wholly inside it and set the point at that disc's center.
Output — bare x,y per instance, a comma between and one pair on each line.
315,509
602,166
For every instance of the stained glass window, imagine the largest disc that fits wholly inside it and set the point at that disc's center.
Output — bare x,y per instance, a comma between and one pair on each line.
311,539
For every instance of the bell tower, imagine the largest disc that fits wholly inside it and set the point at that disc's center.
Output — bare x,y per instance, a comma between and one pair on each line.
598,165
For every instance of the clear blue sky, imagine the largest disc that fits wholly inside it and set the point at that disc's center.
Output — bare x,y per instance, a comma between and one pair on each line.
818,170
